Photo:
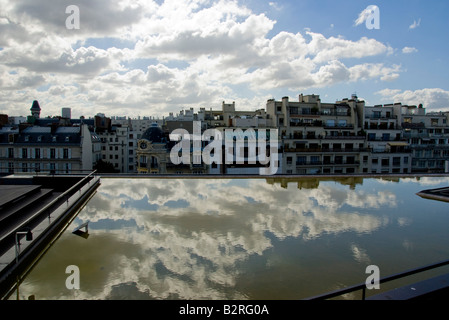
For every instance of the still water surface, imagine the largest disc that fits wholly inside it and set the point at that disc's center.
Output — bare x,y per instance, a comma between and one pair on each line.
242,238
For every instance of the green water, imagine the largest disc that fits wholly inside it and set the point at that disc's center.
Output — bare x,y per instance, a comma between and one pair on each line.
242,238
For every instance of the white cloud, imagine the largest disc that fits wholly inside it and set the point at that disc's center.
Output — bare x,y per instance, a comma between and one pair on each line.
365,14
415,24
409,50
275,6
434,99
197,54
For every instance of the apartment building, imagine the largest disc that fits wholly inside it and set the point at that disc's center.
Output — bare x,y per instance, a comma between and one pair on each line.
320,138
428,137
118,143
34,149
345,137
390,151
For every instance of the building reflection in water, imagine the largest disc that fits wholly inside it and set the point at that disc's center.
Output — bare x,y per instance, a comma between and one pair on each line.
235,238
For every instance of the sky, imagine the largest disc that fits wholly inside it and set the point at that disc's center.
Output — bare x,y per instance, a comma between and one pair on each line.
148,58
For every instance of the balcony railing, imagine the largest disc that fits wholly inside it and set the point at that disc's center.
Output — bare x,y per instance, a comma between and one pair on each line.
337,126
381,117
346,137
322,150
333,163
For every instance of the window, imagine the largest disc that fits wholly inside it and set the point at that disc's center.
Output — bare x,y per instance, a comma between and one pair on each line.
314,159
385,162
52,153
294,110
66,153
24,154
10,153
37,153
301,160
396,161
306,110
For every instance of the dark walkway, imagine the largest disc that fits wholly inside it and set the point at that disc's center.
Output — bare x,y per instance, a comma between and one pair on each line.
43,205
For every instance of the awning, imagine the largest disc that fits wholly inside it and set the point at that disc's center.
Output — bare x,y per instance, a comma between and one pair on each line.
398,144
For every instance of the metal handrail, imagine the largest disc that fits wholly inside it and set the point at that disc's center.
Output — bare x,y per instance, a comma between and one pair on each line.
362,287
53,202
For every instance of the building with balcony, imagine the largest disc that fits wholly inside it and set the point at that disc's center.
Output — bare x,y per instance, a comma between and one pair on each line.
118,144
34,149
390,151
428,137
320,138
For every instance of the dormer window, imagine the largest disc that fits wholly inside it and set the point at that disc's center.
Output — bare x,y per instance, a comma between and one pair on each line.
67,139
53,138
39,138
27,138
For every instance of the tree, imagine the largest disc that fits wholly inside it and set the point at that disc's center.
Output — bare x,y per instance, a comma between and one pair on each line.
105,167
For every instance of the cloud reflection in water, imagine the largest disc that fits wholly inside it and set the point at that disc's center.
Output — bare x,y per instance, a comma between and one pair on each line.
193,238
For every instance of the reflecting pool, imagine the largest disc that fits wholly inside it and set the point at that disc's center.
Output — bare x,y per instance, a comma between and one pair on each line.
242,238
